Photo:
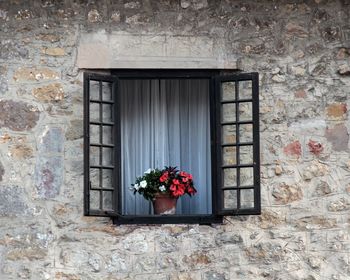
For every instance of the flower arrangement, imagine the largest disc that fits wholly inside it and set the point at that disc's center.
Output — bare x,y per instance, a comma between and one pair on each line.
169,180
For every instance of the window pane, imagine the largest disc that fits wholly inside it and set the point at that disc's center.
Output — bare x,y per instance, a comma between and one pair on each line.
107,200
107,91
247,199
94,134
228,112
94,90
246,111
246,177
230,177
230,199
107,155
107,135
95,200
228,91
94,155
245,133
245,89
107,113
95,178
229,155
246,154
107,177
94,112
228,134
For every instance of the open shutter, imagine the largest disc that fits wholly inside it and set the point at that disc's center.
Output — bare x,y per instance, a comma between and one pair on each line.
237,129
101,145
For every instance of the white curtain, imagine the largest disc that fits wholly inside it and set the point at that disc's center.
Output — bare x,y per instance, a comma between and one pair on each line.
166,123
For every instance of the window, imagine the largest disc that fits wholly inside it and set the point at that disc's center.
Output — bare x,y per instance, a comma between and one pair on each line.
205,122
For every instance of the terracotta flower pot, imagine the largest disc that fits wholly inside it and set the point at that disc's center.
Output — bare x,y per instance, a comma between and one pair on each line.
164,204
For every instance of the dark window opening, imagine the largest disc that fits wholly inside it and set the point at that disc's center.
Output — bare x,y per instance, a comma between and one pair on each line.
204,122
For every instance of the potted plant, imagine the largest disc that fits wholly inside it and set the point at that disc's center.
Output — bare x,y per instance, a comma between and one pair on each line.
164,187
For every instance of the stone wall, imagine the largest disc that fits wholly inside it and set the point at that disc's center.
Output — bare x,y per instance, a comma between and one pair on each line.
301,50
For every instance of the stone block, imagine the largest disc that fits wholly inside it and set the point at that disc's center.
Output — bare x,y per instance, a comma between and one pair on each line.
338,136
21,151
293,149
10,49
26,253
3,81
312,222
336,111
48,37
50,93
17,115
339,205
51,141
118,263
228,238
34,74
94,16
101,50
266,253
12,201
75,130
48,176
2,171
212,275
53,51
285,194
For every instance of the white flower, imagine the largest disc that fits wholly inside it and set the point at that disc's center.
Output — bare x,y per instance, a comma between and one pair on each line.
143,184
148,171
162,188
136,187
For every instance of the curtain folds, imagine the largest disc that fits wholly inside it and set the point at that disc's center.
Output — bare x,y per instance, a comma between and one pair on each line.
166,123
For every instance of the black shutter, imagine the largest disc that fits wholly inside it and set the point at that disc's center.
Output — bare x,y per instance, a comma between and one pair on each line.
237,133
101,145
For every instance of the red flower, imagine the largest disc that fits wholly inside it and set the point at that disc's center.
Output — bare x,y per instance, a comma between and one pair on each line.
186,175
164,177
191,190
178,192
176,181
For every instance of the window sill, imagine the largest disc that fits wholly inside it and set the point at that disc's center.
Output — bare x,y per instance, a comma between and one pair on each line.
169,219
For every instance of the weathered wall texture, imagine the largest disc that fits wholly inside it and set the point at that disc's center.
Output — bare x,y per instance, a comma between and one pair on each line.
301,50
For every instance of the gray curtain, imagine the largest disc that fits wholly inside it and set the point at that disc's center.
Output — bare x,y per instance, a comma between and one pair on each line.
166,123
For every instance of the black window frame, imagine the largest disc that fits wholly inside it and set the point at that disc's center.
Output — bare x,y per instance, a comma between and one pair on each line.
216,78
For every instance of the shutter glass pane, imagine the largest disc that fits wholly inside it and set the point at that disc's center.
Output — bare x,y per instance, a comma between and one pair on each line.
228,91
245,89
229,155
228,134
94,199
107,178
246,154
107,113
94,133
107,200
245,111
107,135
245,133
246,177
238,121
230,177
228,112
94,89
106,92
99,145
230,199
247,198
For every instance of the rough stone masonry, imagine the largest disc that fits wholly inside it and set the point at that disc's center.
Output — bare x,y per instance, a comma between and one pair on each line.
301,50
